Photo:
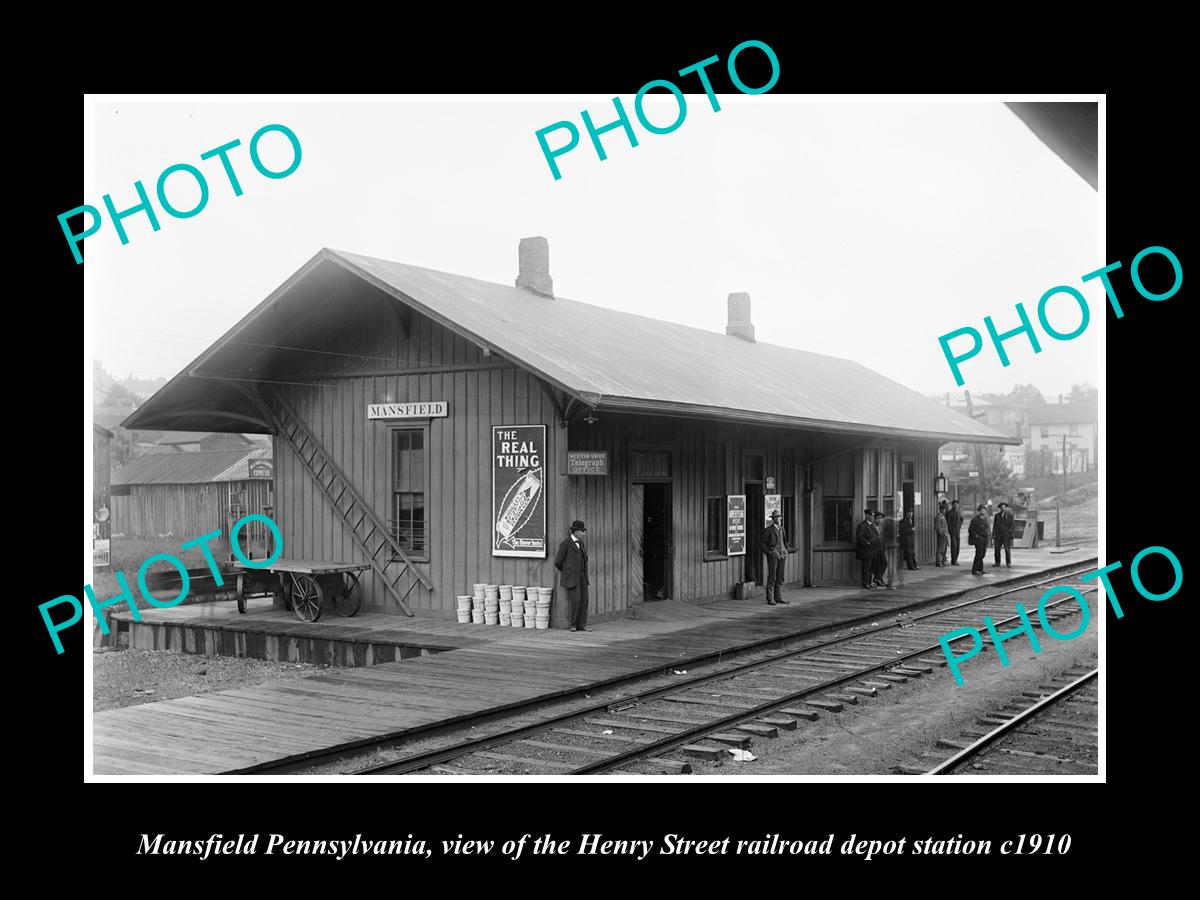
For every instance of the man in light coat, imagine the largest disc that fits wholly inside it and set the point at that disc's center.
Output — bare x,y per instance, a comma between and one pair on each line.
942,530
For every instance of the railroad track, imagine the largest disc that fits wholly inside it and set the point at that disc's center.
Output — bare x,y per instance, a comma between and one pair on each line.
704,717
1048,731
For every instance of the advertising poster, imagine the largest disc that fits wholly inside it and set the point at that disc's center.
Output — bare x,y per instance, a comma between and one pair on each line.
736,507
518,490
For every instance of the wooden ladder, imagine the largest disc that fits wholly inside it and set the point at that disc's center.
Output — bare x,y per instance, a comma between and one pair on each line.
386,556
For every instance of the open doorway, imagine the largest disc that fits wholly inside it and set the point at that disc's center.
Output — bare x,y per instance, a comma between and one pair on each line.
656,541
755,510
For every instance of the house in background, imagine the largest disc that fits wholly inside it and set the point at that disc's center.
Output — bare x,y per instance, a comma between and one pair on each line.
1049,424
186,495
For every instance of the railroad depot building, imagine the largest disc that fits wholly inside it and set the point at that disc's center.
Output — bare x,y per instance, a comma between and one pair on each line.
448,430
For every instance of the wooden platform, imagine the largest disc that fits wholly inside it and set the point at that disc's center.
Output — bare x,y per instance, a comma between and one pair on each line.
484,669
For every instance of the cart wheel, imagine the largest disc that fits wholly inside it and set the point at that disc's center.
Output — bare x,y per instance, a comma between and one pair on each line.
241,592
307,598
348,601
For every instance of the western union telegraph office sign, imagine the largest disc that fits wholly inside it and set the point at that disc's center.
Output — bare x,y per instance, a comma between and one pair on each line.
450,405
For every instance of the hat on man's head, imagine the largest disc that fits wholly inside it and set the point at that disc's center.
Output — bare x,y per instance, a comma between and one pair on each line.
775,514
955,502
578,526
981,508
1002,504
879,514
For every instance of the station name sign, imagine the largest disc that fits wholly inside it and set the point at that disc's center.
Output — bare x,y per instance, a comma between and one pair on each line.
427,409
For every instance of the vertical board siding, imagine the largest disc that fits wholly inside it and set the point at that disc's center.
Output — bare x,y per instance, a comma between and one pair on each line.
331,394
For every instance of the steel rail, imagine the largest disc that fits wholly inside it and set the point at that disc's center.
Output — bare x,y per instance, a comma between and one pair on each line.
1000,731
698,732
466,748
308,757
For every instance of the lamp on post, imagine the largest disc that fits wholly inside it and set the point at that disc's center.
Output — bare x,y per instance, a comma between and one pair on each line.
939,484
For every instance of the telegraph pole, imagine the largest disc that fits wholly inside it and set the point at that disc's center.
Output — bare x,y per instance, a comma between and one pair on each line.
978,453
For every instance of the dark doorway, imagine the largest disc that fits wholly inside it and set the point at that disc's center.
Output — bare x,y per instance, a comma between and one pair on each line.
656,541
755,509
908,483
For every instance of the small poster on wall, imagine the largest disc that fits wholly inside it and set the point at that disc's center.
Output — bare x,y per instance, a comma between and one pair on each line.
771,503
518,490
736,507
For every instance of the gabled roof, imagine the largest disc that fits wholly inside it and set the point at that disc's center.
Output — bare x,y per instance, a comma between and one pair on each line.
189,468
1064,413
613,360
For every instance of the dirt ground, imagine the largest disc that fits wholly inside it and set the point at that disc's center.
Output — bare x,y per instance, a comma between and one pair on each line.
129,677
898,725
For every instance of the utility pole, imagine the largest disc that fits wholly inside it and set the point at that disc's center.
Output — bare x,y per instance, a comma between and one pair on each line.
978,454
1058,512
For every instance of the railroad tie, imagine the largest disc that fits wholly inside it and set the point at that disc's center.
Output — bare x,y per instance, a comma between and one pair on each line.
878,685
952,745
862,691
780,722
848,699
674,765
738,740
769,731
810,714
712,754
828,705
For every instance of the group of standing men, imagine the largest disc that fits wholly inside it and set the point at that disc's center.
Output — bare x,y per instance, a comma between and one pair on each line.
876,544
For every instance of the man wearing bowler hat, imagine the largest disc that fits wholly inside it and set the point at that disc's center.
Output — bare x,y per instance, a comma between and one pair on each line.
572,561
1002,534
977,536
774,545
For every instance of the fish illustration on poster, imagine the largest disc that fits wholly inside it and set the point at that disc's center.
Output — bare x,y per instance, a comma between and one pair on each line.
518,490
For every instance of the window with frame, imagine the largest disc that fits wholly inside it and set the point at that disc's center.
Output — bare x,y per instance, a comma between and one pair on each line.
839,519
409,524
871,478
716,531
787,490
887,481
1045,431
879,480
1073,431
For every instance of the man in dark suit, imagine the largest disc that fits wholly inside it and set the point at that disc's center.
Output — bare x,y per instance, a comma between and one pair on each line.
866,544
908,540
954,522
774,545
881,557
1002,534
977,536
572,561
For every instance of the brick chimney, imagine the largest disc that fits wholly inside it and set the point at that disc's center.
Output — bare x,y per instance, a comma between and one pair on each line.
739,317
533,271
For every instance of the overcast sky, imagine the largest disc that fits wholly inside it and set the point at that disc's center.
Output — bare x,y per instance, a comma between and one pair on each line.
862,230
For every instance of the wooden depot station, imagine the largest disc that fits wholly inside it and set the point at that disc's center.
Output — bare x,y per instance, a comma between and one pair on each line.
446,431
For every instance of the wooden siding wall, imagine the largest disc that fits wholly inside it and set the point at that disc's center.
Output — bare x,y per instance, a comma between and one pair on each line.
361,351
185,511
481,392
843,476
603,501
